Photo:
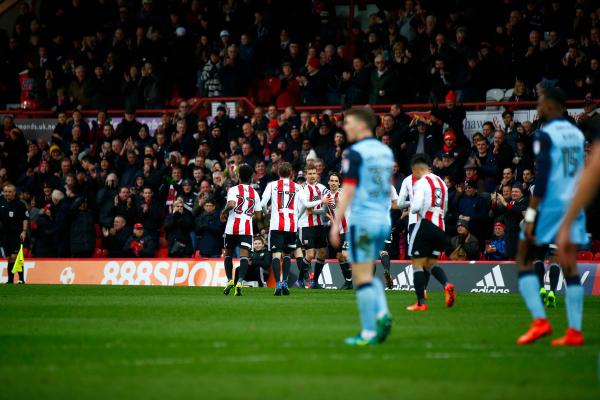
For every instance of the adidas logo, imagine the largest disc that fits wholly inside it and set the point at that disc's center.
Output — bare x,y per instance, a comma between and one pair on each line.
326,280
404,280
492,282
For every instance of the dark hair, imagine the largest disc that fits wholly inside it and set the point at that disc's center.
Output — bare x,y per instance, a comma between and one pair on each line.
335,173
509,112
420,158
363,114
245,172
285,170
557,96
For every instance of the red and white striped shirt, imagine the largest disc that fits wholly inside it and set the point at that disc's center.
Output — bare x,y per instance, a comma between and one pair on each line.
317,218
287,200
239,221
430,199
406,191
333,208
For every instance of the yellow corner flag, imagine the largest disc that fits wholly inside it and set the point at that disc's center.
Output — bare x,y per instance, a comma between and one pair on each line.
18,266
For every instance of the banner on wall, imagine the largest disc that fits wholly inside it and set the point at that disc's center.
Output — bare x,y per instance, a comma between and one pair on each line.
473,277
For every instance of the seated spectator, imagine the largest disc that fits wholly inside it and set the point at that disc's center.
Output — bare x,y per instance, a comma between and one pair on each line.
259,261
496,249
464,246
209,229
139,245
178,226
115,237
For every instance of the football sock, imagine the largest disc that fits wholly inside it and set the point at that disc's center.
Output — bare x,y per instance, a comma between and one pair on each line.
419,283
574,302
318,269
228,263
540,271
554,275
276,268
243,269
346,271
427,274
366,298
287,262
529,286
382,306
439,274
301,267
11,276
385,261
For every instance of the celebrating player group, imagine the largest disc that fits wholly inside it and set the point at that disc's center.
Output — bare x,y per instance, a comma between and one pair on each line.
352,216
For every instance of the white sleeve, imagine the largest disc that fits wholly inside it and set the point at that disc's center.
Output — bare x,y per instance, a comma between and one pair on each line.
445,198
231,196
402,201
393,194
258,205
266,195
418,197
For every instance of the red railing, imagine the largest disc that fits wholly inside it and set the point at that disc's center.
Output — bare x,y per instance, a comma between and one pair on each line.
201,105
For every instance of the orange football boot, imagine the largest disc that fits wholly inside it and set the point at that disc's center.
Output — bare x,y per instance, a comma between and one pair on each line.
417,307
539,328
573,337
450,294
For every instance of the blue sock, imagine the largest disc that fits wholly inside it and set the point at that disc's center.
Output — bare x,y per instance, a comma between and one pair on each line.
366,297
574,302
382,307
529,286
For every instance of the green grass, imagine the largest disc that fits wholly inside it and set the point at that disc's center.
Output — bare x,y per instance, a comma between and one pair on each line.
81,342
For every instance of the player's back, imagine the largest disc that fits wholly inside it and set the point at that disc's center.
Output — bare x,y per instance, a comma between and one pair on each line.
560,155
373,161
285,204
430,197
239,221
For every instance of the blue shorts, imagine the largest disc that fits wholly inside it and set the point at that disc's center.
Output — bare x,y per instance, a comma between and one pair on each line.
366,241
547,224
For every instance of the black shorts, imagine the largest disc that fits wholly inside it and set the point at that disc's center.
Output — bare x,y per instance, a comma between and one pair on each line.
282,242
10,245
544,251
314,237
426,241
232,241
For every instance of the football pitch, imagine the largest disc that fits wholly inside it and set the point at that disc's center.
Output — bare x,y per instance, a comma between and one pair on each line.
111,342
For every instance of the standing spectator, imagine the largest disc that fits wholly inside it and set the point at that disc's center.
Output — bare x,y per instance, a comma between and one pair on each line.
502,151
115,237
286,90
355,83
313,83
82,231
473,208
178,226
383,83
80,89
43,234
515,211
487,166
210,76
209,229
149,213
139,245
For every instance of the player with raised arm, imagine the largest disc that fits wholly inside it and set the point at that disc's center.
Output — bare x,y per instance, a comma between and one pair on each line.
559,155
367,167
334,196
427,240
243,203
287,200
313,226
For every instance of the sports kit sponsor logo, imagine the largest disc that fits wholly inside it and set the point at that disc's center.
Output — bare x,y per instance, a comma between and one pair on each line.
492,282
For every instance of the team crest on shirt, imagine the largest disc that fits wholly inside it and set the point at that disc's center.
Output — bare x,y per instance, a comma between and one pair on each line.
11,214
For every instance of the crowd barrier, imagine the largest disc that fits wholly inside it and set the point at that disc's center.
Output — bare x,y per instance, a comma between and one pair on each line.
477,277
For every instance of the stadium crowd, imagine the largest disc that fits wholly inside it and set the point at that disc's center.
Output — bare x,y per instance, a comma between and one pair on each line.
134,192
107,54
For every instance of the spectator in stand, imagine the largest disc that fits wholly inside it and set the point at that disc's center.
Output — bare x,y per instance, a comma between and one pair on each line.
82,231
502,151
140,245
422,140
355,83
383,83
115,237
313,84
464,246
487,166
209,229
496,248
453,115
149,213
515,211
210,76
259,261
473,209
510,128
43,232
286,90
528,181
80,89
178,226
